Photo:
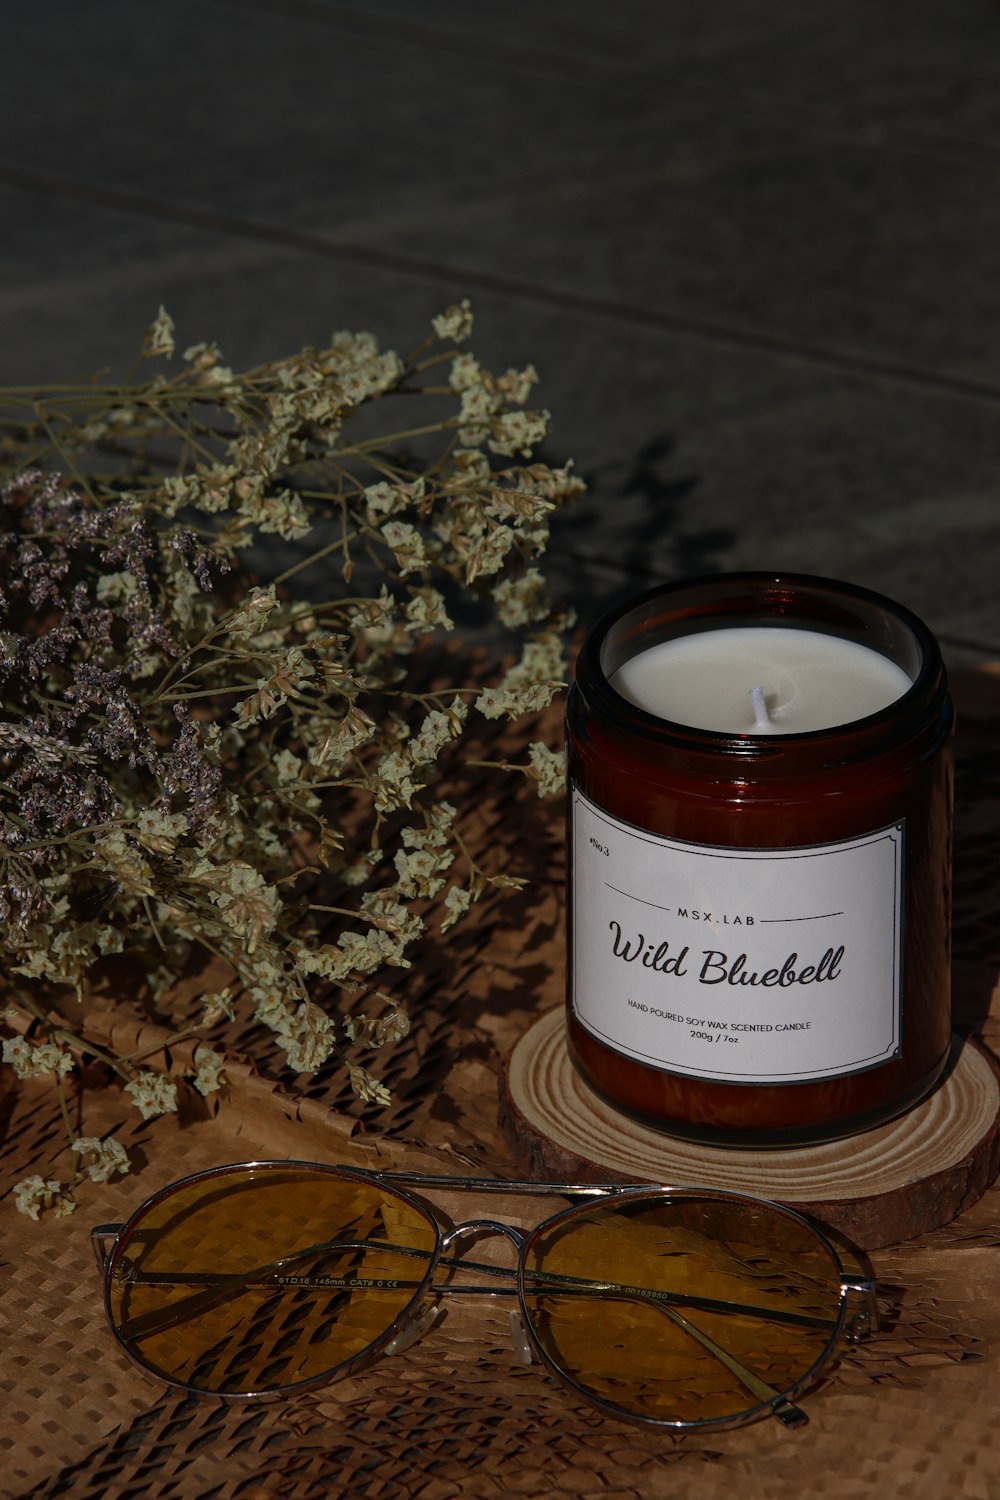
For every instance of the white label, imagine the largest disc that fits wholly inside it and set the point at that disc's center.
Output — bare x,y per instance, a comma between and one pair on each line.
740,965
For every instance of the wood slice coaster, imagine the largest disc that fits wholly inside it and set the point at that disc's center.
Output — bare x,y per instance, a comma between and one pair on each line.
876,1188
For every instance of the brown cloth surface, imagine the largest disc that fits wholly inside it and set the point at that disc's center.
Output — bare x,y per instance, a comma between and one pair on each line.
911,1413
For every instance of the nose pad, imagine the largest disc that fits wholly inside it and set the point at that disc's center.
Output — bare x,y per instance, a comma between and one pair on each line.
422,1323
523,1352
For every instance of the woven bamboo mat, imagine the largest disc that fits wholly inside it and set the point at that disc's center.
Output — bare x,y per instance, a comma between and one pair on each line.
912,1413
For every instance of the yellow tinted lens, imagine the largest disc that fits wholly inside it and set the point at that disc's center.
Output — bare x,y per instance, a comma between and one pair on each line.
258,1279
682,1309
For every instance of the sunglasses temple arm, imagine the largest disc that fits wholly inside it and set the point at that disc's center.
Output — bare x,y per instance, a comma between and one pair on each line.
212,1287
786,1412
570,1286
215,1288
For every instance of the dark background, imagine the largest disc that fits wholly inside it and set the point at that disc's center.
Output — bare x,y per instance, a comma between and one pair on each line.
752,246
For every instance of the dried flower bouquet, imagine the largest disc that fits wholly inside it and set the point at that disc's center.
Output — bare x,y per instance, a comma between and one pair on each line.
198,758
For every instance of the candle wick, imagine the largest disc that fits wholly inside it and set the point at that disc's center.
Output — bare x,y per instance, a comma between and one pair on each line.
760,708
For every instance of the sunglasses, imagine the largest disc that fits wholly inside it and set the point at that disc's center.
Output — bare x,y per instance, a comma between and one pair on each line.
681,1308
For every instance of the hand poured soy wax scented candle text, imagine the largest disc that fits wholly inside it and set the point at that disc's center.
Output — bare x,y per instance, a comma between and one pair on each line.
760,798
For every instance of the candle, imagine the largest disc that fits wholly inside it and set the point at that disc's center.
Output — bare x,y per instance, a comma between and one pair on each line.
760,785
806,680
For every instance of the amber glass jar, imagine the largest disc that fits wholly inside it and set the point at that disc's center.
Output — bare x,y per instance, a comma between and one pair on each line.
759,924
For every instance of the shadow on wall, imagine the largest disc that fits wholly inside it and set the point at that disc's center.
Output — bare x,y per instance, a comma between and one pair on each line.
631,531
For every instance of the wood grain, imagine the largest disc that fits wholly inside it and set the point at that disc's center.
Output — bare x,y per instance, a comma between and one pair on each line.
877,1188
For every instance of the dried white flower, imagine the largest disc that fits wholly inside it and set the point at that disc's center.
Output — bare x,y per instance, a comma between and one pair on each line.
548,768
287,768
308,1038
437,730
422,871
382,500
207,1077
34,1062
456,904
478,405
178,824
455,322
107,1157
218,1005
426,611
283,513
159,337
36,1194
518,432
381,1032
492,703
489,555
407,545
516,384
158,831
522,600
367,1088
251,618
370,951
245,900
466,372
541,661
153,1095
393,783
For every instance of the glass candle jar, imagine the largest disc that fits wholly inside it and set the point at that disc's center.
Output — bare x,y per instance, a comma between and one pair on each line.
759,908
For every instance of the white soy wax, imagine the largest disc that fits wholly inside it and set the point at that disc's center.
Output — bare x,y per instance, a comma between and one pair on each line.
760,679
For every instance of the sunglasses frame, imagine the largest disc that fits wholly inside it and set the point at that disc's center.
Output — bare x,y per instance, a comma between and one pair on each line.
110,1242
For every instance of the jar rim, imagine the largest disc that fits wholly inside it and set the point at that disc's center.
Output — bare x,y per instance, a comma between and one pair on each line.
791,600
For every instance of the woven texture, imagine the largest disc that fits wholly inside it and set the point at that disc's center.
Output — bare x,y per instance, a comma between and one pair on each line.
911,1413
